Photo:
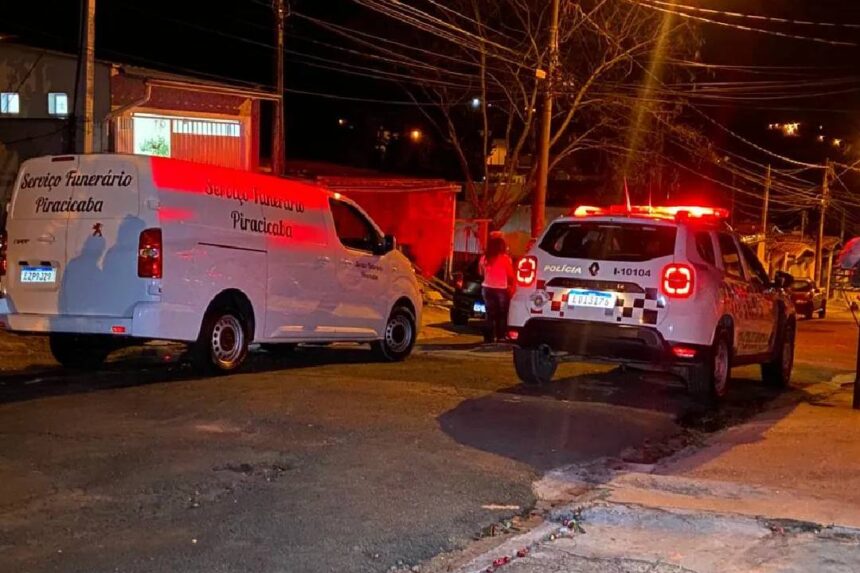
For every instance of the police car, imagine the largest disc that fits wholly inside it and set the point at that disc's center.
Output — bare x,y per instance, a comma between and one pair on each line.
665,288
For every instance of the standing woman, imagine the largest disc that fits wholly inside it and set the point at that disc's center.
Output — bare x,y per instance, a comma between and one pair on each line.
497,268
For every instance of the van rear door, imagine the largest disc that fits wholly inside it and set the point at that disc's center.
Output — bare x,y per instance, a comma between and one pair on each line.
37,236
102,242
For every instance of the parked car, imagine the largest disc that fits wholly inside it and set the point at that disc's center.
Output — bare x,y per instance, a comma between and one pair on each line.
808,298
670,289
106,250
468,300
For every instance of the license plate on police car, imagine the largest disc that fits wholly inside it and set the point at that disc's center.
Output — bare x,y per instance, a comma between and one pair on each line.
591,299
38,275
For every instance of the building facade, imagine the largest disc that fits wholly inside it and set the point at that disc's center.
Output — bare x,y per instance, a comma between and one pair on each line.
136,110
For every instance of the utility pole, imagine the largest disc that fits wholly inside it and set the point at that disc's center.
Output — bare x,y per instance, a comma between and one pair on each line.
89,75
825,199
762,246
803,218
539,199
279,142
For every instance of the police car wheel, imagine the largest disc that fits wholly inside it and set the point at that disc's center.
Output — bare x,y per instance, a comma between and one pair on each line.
535,366
777,372
79,352
708,382
398,336
223,342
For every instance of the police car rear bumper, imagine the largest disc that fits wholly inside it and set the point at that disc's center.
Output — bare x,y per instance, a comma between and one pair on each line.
619,343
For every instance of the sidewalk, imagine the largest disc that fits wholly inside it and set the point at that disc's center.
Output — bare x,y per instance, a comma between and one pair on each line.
780,493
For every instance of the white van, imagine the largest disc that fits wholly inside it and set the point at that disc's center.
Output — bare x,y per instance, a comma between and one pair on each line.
104,250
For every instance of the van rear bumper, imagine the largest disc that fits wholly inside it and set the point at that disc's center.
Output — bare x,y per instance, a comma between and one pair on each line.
150,320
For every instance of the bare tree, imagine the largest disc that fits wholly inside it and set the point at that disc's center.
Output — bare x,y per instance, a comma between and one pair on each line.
484,71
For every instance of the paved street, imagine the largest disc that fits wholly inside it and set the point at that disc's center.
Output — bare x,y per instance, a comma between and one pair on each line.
320,461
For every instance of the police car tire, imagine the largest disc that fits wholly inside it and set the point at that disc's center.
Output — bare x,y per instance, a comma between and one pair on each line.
401,321
701,378
79,352
202,352
459,318
773,373
534,366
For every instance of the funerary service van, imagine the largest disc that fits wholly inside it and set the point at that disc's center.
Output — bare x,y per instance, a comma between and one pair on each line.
105,250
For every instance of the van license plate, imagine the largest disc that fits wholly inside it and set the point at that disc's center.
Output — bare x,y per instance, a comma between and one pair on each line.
591,299
479,308
41,275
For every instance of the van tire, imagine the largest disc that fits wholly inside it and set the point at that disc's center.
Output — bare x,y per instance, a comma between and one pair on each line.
398,337
535,366
79,352
222,345
708,381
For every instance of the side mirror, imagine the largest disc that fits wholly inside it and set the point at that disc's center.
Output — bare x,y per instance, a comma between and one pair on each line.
388,244
781,280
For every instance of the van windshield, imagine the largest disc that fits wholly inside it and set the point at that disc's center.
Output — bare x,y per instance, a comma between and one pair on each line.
609,241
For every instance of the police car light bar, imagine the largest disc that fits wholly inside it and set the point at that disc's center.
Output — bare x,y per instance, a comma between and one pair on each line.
679,212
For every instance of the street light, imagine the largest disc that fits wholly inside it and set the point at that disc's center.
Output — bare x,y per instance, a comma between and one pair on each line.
416,135
476,102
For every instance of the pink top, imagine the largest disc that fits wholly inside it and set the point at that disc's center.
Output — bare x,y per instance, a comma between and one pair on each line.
498,273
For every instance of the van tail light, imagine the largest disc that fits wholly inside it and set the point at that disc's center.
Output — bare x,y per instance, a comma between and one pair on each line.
526,271
149,254
677,280
3,240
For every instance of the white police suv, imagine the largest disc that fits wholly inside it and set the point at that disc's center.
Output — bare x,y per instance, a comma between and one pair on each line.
664,288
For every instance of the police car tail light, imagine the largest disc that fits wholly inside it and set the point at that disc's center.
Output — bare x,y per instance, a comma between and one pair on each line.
677,281
526,271
3,238
149,254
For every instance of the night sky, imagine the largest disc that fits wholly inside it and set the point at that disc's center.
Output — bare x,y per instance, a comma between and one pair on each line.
233,41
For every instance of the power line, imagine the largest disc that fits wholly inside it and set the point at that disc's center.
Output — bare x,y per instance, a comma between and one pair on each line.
758,17
647,4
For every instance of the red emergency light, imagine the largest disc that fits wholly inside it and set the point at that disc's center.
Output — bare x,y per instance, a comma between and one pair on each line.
674,212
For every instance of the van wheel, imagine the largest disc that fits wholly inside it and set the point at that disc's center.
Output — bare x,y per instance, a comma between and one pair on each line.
535,366
708,382
399,336
223,342
79,352
777,372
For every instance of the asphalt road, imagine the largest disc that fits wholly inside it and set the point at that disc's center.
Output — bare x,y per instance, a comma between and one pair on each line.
316,462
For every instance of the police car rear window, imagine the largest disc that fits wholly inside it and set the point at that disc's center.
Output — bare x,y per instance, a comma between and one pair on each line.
609,241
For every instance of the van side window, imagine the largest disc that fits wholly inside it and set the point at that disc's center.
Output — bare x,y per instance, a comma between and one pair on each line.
705,247
352,228
731,257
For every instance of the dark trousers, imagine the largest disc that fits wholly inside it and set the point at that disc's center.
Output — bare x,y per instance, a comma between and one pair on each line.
497,302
